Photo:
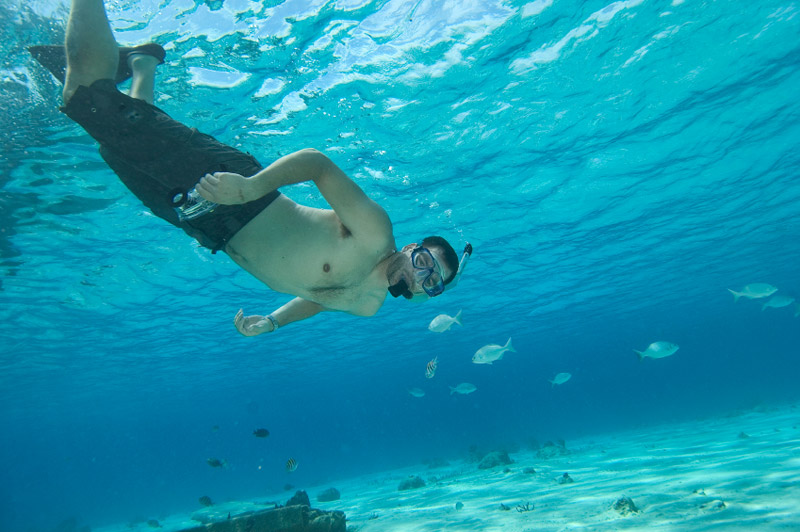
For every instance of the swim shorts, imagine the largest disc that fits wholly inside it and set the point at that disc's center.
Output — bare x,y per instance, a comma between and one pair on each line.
157,158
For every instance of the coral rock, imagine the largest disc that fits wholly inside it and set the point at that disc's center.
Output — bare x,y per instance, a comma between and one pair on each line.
299,498
625,506
495,458
297,518
411,483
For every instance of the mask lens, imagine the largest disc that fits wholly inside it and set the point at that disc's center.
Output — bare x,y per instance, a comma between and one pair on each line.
422,258
427,271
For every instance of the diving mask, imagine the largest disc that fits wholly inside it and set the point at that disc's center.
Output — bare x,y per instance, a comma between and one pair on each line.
424,271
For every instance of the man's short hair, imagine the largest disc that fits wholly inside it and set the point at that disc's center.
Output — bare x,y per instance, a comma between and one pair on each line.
450,256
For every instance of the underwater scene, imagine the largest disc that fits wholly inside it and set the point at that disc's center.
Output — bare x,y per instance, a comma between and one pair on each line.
622,348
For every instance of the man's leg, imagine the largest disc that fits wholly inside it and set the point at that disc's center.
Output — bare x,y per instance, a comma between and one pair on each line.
92,51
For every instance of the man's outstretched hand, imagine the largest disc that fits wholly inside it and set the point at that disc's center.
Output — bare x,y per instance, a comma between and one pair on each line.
226,188
252,325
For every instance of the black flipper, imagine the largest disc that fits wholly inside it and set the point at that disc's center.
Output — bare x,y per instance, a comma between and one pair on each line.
54,58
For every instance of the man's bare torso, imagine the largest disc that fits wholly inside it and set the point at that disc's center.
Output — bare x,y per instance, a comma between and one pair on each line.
307,252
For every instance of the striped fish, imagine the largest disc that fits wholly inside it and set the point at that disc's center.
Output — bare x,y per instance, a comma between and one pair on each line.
430,369
291,465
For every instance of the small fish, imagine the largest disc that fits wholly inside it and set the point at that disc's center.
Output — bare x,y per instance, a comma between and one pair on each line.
459,505
754,291
291,465
489,353
205,500
442,322
657,350
464,388
261,433
416,392
430,369
561,378
216,462
778,301
215,428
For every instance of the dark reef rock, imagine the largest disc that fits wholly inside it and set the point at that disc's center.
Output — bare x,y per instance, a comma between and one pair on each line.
495,458
411,483
296,518
565,479
625,506
552,450
330,494
299,498
529,471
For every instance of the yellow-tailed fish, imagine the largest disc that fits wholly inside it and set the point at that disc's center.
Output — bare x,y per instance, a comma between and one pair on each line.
464,388
489,353
561,378
657,350
442,322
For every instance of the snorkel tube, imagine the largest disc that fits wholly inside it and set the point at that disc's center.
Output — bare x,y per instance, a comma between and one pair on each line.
461,265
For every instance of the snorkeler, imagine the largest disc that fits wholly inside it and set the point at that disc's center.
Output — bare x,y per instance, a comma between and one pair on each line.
342,259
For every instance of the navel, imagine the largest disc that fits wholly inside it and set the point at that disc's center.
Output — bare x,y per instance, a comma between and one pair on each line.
326,267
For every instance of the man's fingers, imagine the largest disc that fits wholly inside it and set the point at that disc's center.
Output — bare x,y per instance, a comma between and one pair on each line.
237,321
205,191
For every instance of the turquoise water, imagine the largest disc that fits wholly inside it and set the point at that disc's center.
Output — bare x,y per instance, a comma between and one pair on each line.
617,167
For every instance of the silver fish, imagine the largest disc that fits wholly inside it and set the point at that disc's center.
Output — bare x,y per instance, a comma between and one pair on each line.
658,350
416,392
561,378
754,291
443,322
778,301
464,388
489,353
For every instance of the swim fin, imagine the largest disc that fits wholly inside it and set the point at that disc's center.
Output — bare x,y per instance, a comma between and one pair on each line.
54,58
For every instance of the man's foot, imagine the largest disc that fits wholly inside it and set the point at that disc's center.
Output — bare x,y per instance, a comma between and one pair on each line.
54,59
140,63
127,55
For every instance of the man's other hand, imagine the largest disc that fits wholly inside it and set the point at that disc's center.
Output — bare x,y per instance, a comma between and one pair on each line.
225,188
252,325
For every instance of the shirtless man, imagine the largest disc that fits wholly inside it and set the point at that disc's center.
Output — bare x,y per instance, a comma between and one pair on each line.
343,259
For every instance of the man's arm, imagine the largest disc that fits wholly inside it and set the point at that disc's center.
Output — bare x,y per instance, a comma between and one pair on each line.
295,310
357,212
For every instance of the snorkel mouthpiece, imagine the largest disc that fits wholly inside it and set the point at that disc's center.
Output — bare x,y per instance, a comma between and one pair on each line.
399,288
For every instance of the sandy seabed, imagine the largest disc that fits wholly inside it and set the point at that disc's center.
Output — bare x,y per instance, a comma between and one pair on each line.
740,472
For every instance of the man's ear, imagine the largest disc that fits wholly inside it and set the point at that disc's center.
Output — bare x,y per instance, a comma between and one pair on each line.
409,247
